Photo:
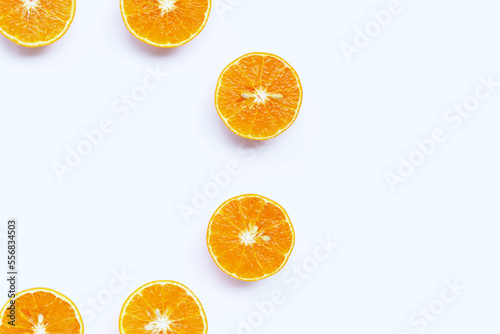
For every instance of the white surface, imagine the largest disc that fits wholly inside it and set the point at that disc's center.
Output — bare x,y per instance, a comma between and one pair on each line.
120,208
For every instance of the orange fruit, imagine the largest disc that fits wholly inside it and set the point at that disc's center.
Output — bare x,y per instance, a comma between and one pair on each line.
33,23
165,23
39,311
163,307
258,96
250,237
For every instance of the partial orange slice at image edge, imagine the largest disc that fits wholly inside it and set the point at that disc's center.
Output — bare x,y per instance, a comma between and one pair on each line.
165,23
258,96
41,310
35,23
163,307
250,237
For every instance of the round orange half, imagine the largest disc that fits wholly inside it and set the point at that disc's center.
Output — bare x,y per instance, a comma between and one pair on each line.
163,307
165,23
40,310
33,23
250,237
258,96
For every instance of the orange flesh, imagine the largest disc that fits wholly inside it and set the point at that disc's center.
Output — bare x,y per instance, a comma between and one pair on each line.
35,22
156,23
39,308
258,75
261,222
166,300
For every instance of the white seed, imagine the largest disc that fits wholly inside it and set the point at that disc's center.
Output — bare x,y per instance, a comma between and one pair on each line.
266,238
246,96
40,319
276,96
149,327
255,229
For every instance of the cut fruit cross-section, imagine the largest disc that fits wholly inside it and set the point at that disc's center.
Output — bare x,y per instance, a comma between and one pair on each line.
163,307
165,23
40,311
258,96
33,23
250,237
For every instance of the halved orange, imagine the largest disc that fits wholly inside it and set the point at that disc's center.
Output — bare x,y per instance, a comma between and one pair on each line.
163,307
250,237
33,23
165,23
40,311
258,96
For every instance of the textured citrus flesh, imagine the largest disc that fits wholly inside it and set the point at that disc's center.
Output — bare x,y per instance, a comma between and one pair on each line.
35,23
258,96
165,23
163,307
250,237
42,311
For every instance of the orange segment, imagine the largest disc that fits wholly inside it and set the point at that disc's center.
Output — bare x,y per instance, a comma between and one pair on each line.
165,23
163,307
42,311
258,96
250,237
35,23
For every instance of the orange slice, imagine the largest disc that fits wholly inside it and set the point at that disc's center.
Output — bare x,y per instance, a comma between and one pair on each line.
163,307
39,311
258,96
33,23
250,237
165,23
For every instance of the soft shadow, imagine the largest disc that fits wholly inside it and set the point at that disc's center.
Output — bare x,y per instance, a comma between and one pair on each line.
240,141
213,270
22,50
222,276
229,135
150,50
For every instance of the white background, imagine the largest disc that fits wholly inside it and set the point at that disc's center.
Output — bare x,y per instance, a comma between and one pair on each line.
119,210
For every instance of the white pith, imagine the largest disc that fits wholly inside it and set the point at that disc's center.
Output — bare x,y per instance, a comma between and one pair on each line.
161,325
39,328
261,96
250,236
166,5
30,6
